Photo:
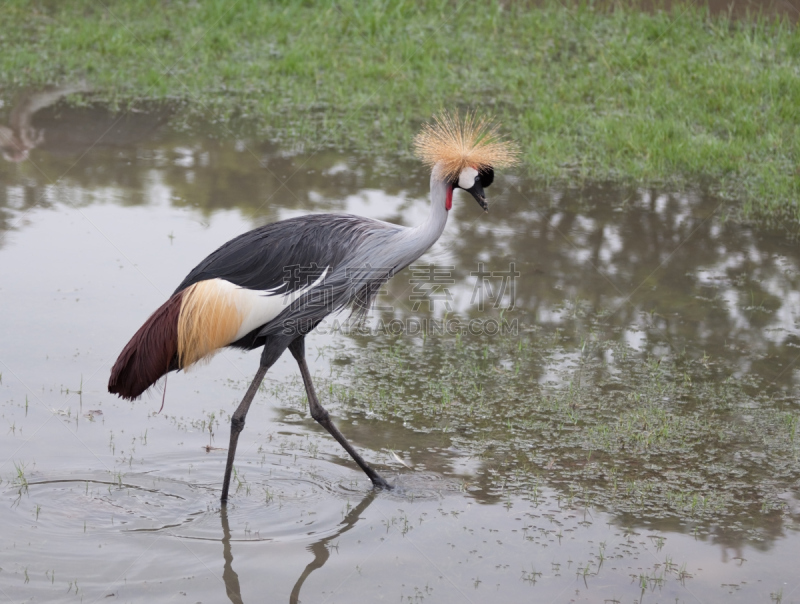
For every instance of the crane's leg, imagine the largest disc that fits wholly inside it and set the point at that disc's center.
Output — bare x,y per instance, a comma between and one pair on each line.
270,354
318,412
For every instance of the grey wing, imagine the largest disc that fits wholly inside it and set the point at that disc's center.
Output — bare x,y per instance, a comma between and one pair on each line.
273,256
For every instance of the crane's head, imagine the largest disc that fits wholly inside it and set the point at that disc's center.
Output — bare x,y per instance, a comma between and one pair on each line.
464,153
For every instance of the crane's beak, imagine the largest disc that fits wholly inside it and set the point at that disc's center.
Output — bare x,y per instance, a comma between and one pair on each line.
477,192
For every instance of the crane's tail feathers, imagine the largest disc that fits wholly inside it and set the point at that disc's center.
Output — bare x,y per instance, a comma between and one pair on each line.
152,352
189,327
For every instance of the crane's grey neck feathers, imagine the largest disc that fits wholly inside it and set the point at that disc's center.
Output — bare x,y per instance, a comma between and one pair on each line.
411,243
397,247
376,251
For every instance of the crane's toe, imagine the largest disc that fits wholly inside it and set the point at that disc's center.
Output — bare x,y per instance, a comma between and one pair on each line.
380,483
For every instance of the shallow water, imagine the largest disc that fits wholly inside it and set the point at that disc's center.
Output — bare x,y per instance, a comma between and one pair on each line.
104,497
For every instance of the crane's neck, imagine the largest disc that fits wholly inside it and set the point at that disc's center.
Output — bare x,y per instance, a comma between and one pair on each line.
415,241
427,233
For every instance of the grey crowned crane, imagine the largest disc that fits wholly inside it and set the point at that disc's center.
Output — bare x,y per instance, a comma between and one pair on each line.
271,286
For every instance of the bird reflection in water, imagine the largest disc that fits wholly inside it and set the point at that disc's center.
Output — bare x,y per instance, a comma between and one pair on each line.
229,575
21,135
40,121
319,549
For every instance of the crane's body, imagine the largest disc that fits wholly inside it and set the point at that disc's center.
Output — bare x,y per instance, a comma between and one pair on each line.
271,286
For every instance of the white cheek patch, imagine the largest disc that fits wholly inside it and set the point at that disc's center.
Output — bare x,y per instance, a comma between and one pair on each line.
466,179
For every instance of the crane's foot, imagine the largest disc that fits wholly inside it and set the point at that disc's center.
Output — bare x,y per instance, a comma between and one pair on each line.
379,483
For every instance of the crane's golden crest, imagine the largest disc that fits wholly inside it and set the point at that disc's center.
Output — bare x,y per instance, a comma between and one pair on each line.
460,143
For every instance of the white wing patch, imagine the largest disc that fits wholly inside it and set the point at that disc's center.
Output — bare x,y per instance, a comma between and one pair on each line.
259,307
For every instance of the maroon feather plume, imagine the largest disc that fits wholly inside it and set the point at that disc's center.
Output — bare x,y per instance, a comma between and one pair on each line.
151,352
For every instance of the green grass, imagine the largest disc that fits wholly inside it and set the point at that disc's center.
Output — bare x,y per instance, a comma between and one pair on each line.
671,96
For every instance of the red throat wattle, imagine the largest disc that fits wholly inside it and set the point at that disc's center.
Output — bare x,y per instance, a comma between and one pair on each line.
448,203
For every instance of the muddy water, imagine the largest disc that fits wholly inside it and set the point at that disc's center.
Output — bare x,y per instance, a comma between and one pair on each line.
651,342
